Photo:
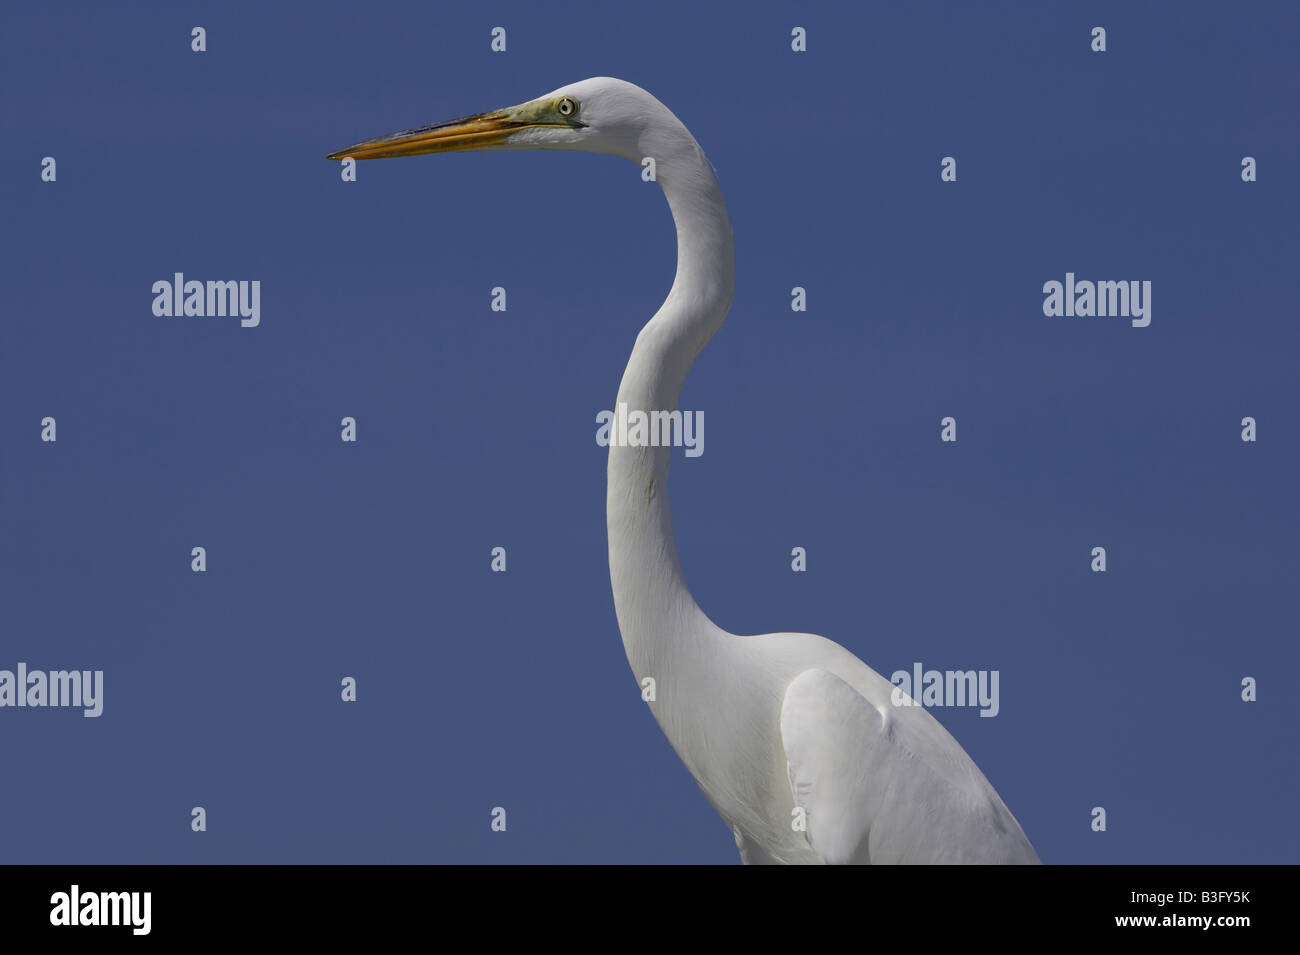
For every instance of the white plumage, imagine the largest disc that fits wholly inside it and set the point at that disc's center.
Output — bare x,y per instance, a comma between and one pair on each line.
778,729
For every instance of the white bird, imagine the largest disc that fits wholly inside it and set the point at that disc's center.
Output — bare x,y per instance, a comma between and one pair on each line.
794,740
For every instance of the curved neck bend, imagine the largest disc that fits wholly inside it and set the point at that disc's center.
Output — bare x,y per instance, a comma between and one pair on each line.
653,602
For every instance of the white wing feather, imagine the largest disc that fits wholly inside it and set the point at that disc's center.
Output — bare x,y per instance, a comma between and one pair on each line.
872,795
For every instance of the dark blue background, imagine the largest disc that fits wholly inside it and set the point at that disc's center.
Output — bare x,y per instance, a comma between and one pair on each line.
476,427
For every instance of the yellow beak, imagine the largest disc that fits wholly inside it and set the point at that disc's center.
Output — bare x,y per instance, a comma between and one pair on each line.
473,132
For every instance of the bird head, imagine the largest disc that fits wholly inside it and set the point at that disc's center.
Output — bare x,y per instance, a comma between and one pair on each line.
601,114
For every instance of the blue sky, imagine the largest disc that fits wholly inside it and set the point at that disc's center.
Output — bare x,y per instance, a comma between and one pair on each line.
476,428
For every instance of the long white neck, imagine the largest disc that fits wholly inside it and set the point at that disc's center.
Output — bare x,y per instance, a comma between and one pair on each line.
656,612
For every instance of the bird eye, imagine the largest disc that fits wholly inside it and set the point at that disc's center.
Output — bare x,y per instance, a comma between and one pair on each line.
567,107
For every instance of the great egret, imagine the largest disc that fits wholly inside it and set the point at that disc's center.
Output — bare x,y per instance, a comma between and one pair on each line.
793,739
